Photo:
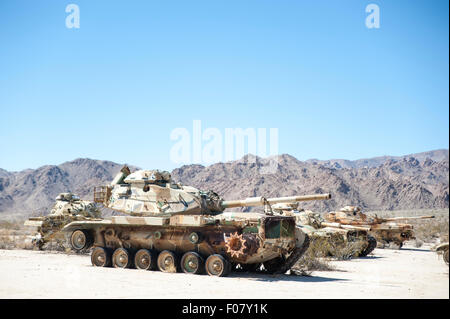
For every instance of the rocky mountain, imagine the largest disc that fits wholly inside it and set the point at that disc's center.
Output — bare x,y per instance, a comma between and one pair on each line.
403,183
435,155
396,184
32,192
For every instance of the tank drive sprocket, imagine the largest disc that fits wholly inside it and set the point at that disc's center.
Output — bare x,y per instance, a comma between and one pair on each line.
235,245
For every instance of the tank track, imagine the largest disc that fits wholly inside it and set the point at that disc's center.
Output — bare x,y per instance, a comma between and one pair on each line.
287,264
370,247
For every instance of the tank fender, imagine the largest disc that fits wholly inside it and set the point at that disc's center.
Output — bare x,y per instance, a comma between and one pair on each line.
442,247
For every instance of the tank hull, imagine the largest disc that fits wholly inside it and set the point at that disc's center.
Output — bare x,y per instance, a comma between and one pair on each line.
240,241
331,239
397,235
334,241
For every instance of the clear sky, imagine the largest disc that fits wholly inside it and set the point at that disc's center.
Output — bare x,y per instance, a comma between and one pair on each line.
115,88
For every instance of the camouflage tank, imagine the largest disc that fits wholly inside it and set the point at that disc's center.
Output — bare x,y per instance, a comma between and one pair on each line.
385,230
442,249
171,227
330,236
67,208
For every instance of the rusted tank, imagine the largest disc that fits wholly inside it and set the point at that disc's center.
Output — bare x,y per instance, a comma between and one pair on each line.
385,230
172,227
442,249
355,241
68,207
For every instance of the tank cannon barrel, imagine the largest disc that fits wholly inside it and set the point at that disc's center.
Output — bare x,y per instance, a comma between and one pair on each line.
260,201
406,218
339,225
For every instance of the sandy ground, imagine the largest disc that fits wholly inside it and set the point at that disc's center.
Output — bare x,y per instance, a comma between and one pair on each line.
406,273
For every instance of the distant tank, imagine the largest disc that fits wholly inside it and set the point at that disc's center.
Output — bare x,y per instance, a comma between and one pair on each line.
180,228
67,208
442,249
332,236
385,230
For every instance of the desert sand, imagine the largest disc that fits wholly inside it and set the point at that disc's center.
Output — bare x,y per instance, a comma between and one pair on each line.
407,273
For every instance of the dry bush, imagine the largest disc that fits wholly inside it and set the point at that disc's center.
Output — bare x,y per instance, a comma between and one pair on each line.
418,243
314,259
431,230
348,251
14,235
12,241
335,247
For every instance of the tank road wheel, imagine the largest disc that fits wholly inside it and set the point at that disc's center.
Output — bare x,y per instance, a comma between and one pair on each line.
101,257
79,240
122,258
216,265
167,261
192,263
145,259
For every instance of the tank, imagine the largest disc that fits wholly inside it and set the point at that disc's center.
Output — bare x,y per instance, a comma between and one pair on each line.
171,227
331,237
68,207
385,230
442,249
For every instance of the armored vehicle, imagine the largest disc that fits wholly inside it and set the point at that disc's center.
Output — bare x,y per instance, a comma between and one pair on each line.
353,240
172,227
67,208
442,249
385,230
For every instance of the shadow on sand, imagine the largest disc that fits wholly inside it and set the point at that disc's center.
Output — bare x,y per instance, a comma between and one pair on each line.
274,278
415,249
370,257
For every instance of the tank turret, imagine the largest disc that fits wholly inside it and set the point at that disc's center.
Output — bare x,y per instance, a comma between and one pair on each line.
154,193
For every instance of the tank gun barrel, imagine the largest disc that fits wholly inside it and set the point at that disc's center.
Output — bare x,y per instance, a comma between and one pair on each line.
339,225
260,201
406,218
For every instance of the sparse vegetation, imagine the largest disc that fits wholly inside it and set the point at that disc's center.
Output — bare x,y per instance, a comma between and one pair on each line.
319,253
310,262
13,235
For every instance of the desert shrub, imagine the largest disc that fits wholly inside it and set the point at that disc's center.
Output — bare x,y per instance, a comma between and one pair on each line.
431,230
348,251
335,247
8,241
14,235
11,225
314,259
418,243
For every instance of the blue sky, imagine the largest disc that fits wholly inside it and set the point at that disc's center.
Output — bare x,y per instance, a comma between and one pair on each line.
115,88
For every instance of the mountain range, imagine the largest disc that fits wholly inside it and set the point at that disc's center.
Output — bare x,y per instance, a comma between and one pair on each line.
383,183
